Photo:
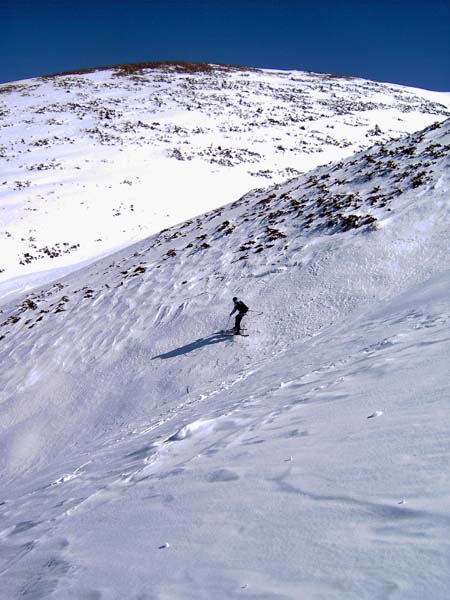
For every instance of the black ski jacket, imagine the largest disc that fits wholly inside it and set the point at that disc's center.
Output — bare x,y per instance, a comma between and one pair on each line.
240,307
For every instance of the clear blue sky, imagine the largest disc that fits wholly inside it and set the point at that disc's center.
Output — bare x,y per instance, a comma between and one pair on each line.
399,41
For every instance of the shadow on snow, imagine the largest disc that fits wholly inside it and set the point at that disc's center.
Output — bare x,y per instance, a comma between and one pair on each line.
215,338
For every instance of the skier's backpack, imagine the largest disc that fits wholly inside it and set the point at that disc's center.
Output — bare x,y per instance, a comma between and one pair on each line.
243,308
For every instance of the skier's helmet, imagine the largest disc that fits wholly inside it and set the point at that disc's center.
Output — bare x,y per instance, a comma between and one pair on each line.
234,299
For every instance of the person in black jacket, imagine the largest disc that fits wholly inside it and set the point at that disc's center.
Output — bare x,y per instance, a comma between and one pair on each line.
241,309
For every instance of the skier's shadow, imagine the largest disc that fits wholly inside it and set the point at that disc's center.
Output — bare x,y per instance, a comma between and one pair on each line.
215,338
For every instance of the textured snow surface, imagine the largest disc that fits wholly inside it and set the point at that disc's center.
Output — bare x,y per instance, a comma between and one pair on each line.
145,454
92,162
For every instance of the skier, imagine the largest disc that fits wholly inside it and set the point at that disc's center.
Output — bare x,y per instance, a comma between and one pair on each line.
241,309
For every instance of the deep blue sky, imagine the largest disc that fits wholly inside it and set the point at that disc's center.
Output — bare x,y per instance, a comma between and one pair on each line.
399,41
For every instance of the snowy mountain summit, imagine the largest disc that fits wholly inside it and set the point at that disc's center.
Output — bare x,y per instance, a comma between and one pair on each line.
93,161
146,453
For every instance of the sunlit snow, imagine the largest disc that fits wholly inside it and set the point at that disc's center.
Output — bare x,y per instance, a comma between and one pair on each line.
145,453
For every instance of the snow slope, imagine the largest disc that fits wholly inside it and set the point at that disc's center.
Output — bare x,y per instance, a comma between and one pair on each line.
93,161
146,454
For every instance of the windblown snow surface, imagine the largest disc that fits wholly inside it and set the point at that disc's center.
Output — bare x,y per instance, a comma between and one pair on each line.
145,454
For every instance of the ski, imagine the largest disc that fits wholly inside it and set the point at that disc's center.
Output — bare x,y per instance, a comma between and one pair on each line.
232,332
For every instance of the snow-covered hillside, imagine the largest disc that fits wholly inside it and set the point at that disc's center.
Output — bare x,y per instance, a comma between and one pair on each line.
92,161
147,454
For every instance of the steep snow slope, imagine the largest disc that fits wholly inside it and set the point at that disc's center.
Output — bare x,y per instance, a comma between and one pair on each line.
92,161
321,474
145,454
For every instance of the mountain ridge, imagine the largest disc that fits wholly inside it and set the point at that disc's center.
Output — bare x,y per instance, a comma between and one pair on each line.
87,158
